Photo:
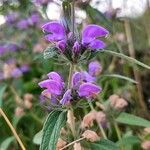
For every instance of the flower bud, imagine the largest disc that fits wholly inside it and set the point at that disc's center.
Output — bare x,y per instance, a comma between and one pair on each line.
147,130
145,145
101,118
76,47
27,104
60,144
88,119
19,111
90,135
28,96
61,45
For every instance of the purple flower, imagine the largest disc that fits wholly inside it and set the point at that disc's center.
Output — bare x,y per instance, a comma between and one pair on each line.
34,19
24,68
23,24
2,49
66,98
56,31
55,76
16,73
11,47
94,68
11,17
54,87
40,2
88,90
90,35
87,77
76,79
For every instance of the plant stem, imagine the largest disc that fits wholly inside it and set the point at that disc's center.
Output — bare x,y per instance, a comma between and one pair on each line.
71,69
99,124
135,71
12,129
76,141
117,130
70,116
73,19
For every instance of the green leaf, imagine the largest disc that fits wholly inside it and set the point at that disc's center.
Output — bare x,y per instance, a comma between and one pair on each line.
98,17
5,144
120,77
56,131
102,145
2,90
49,52
129,140
51,129
129,59
38,138
130,119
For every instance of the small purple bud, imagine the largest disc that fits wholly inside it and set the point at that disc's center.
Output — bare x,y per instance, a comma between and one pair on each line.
66,97
24,68
2,49
23,24
61,45
16,73
88,90
76,47
94,68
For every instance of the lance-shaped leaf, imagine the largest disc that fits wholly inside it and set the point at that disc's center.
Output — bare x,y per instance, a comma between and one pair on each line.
133,120
101,145
129,59
51,129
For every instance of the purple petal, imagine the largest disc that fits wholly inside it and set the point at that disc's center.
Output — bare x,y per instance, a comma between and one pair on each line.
54,87
97,44
23,24
66,98
76,79
94,68
46,93
88,90
54,76
92,32
61,45
56,30
16,73
86,77
76,47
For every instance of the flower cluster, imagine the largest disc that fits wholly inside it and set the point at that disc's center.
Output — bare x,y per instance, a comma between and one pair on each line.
82,85
11,70
23,23
10,47
73,47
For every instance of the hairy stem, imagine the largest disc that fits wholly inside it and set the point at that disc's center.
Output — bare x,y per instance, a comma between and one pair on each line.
12,129
76,141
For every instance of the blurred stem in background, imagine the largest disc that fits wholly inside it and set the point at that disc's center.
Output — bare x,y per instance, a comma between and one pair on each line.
132,54
12,129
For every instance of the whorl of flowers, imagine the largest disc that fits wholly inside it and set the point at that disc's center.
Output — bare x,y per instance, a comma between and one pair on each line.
73,47
82,86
